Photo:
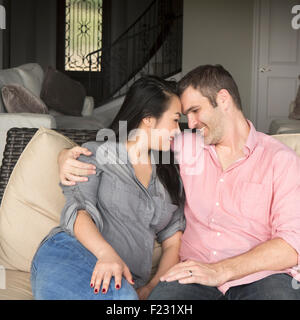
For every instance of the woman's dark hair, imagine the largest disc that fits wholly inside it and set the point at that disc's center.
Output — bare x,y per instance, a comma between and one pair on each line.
150,96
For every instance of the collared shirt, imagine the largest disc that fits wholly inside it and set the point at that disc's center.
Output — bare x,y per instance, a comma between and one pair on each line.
229,212
128,215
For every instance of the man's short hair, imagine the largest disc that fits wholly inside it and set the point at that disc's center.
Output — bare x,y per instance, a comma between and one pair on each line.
209,80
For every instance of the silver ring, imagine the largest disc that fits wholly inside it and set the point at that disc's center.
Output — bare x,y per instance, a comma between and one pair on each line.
191,273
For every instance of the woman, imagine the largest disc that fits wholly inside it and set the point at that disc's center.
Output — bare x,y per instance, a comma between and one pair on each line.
103,247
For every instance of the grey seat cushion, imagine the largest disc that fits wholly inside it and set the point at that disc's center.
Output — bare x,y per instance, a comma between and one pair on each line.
72,122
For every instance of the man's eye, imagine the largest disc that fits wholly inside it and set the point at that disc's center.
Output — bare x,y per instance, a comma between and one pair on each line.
176,120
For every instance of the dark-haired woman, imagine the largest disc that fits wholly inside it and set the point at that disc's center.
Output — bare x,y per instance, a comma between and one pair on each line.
103,247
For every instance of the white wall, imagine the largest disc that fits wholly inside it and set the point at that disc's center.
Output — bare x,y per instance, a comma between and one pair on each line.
220,32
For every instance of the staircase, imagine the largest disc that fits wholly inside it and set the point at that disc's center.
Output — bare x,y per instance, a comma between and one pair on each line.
151,45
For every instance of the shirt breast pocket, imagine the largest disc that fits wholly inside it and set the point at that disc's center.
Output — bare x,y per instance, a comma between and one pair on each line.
254,200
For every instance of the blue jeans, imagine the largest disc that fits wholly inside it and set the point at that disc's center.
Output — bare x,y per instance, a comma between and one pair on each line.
62,268
274,287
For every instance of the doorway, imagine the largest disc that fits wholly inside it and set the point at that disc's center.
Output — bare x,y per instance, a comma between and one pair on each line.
276,61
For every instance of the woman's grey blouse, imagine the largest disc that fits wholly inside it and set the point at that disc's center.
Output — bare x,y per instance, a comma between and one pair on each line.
128,215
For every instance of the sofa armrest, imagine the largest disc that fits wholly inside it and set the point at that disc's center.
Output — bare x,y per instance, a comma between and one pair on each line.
22,120
88,107
26,120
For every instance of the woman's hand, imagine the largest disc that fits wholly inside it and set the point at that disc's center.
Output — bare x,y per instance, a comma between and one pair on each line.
108,266
72,170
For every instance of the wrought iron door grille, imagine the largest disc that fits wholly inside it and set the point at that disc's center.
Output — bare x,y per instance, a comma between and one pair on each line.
83,34
151,45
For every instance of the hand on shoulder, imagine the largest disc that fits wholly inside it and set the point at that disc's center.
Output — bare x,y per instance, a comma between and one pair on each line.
70,169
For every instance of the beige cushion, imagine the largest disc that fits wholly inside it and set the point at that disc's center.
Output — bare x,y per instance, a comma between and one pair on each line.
17,286
32,201
291,140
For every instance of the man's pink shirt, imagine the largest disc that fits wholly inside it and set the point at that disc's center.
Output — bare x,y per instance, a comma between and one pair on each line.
230,212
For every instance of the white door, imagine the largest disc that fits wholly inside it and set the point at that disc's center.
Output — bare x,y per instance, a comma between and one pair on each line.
278,61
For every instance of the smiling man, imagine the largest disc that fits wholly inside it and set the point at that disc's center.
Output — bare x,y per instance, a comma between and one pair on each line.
242,236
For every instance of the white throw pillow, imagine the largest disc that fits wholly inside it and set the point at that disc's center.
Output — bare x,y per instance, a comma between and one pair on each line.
32,76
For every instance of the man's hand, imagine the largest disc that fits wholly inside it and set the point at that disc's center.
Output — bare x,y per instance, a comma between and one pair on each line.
72,170
195,272
143,292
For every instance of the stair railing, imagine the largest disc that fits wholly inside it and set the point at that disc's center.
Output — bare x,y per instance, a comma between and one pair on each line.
151,45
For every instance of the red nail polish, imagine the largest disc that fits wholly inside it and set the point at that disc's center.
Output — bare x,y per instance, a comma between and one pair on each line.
92,285
96,290
117,286
103,290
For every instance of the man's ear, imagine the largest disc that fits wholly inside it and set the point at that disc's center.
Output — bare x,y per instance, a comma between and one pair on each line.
223,98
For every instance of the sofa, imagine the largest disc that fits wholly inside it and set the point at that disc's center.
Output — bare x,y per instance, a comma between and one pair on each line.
31,200
31,77
285,125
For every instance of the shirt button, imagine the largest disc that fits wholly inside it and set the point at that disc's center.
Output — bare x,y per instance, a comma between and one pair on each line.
212,220
214,253
221,180
218,234
217,204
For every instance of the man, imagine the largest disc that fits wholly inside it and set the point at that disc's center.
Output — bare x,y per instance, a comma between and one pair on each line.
242,236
